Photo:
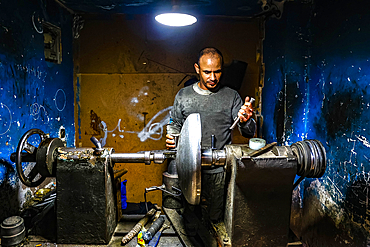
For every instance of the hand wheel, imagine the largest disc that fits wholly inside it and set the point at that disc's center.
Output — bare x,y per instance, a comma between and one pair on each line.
29,156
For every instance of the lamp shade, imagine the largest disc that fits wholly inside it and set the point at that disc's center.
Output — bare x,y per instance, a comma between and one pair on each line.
176,19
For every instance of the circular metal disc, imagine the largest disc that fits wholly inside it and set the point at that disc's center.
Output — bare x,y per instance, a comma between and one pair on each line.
305,158
46,156
322,154
188,158
298,154
314,160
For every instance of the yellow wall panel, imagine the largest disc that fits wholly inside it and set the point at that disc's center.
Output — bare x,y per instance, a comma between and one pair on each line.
128,112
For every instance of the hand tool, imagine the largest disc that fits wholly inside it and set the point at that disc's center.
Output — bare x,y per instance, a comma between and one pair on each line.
251,100
148,235
155,240
138,227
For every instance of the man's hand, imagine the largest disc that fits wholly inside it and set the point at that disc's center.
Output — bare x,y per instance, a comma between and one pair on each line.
170,141
246,111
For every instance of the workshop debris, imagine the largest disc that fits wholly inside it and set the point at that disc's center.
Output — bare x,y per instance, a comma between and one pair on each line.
13,231
157,224
138,227
155,240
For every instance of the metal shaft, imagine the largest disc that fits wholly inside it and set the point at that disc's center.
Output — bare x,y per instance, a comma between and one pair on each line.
145,157
213,157
209,157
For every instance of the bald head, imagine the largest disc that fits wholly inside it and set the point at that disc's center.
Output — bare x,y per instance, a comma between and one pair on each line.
211,52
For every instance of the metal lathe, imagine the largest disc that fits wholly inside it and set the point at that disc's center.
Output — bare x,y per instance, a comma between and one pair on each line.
257,202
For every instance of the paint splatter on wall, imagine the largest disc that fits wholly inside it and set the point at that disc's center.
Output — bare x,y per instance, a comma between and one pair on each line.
317,67
33,93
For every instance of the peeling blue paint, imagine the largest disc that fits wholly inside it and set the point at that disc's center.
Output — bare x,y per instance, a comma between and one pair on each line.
33,93
317,67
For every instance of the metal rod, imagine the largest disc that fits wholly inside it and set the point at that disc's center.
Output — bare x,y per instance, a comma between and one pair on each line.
138,227
263,150
128,157
145,157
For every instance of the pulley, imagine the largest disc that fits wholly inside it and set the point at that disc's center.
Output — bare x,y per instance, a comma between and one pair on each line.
311,158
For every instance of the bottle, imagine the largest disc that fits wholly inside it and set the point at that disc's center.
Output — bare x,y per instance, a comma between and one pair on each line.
123,194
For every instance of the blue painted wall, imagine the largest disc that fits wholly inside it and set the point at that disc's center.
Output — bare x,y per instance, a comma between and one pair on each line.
33,93
317,86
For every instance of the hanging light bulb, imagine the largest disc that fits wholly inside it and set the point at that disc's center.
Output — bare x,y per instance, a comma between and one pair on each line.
176,19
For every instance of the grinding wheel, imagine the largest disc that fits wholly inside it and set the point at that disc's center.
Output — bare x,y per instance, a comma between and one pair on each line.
188,158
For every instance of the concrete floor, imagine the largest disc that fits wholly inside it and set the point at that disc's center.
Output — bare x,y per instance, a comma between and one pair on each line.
169,238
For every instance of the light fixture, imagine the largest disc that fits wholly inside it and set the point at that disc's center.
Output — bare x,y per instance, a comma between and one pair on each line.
176,19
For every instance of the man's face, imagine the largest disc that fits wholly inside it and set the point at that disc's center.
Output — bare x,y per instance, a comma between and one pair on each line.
209,70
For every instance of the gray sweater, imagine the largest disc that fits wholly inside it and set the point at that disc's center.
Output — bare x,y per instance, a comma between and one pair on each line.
217,112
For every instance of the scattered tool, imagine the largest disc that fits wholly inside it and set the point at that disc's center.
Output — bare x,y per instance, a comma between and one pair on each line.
251,100
155,240
148,235
138,227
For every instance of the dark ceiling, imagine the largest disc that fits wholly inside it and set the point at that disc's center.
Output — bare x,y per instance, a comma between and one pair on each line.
242,8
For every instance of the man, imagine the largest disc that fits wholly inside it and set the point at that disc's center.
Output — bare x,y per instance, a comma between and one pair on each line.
218,107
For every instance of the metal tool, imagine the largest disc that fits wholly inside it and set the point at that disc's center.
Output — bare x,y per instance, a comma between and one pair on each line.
238,118
138,227
157,224
155,240
13,231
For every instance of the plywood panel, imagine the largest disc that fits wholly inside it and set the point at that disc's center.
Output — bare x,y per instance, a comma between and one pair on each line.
129,112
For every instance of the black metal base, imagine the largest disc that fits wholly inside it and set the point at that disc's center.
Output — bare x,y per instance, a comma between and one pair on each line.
85,202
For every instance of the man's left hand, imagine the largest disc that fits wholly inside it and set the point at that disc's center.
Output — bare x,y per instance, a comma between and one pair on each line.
246,111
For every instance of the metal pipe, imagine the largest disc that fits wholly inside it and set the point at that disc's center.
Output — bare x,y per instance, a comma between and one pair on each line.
145,157
127,157
138,227
149,234
96,142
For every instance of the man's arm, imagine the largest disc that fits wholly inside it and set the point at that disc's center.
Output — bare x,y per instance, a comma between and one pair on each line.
175,124
248,128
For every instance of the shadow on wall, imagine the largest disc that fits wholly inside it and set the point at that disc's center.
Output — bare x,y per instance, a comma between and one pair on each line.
324,233
8,192
316,229
357,204
341,110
